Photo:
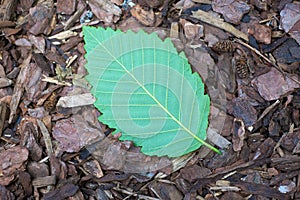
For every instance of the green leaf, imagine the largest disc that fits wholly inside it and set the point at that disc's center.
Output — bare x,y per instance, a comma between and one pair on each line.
147,91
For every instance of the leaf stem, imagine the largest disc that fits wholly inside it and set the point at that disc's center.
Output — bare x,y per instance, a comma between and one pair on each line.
209,146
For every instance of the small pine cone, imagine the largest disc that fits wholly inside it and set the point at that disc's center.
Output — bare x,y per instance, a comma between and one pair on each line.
242,68
50,102
224,46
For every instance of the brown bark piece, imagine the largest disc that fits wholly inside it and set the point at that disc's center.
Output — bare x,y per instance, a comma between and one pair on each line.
29,133
114,156
4,82
25,181
194,172
273,85
7,8
260,189
71,43
5,193
261,33
3,110
191,30
165,191
66,6
62,192
290,140
265,150
11,160
38,42
242,109
38,169
231,196
23,42
260,4
54,57
74,133
226,158
145,17
238,134
105,10
19,87
283,53
287,163
6,23
151,3
284,176
41,62
35,85
41,16
289,17
93,167
232,10
44,181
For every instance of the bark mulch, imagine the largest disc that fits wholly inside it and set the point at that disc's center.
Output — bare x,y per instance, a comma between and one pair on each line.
52,145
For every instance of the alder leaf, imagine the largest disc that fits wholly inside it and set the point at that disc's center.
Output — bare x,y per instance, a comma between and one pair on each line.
147,91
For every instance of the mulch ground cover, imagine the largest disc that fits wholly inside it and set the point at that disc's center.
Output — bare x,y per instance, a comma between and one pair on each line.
52,145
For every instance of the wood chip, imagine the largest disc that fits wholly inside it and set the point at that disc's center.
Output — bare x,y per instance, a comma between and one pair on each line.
19,88
76,100
7,8
217,139
63,35
3,110
4,82
44,181
207,18
46,137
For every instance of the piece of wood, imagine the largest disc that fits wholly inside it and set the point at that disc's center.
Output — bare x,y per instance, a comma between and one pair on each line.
46,137
217,139
44,181
63,35
202,1
19,88
3,108
4,82
74,18
7,9
209,19
6,23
